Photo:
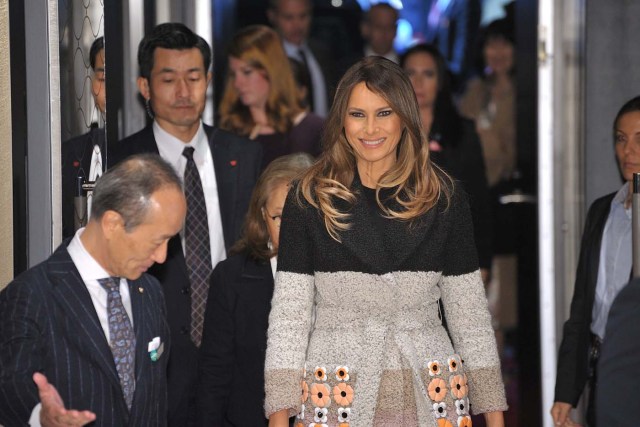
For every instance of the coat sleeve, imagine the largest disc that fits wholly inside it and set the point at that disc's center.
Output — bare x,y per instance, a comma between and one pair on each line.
291,308
22,351
573,352
467,314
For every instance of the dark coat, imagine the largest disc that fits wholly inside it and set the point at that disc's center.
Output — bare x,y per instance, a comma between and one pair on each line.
231,391
49,325
463,161
237,164
619,365
573,356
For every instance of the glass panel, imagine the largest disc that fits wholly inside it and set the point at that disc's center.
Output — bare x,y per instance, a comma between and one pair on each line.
83,106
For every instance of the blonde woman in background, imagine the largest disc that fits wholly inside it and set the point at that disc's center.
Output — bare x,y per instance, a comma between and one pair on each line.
261,99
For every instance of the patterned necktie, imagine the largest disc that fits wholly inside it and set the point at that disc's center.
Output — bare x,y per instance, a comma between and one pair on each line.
197,247
122,338
303,56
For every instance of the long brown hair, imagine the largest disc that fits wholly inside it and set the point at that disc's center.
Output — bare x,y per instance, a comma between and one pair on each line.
416,184
255,236
261,48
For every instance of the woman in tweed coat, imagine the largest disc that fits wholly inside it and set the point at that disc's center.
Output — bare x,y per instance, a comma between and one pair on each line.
373,236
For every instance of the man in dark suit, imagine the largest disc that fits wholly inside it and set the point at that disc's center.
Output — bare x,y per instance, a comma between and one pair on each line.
84,155
219,176
86,329
292,20
619,361
604,267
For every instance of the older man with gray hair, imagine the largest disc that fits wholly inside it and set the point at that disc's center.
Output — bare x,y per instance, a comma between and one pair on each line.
86,329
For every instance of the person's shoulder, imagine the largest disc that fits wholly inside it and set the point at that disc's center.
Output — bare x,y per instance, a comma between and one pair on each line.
601,203
139,142
452,198
221,136
295,198
312,120
143,134
32,282
604,199
234,262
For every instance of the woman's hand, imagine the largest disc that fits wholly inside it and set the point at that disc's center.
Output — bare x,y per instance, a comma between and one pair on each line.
494,419
279,419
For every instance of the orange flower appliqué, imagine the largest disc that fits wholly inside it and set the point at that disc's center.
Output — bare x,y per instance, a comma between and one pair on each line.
464,421
454,363
458,385
342,373
320,373
434,368
343,394
305,391
444,423
320,395
437,389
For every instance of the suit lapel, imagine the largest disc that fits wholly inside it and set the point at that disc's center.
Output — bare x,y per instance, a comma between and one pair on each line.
74,300
226,171
137,293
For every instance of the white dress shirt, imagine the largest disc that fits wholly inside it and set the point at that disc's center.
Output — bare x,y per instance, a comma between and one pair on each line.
614,268
171,149
320,104
392,55
95,172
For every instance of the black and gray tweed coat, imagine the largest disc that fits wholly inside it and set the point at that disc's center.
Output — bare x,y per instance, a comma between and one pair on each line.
355,326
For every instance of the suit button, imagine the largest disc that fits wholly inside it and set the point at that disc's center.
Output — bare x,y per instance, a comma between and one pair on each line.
184,330
185,290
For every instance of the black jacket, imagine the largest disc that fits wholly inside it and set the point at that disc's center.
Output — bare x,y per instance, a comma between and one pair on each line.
573,356
231,390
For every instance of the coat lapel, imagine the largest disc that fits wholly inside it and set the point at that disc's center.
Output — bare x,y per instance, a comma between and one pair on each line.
139,300
74,300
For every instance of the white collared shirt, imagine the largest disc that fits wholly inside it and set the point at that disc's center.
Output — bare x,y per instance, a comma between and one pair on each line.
90,271
171,149
392,55
320,104
614,268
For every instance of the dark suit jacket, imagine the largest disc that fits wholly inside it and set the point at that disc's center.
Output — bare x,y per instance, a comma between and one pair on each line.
619,364
237,163
49,325
328,66
463,161
76,162
573,356
231,390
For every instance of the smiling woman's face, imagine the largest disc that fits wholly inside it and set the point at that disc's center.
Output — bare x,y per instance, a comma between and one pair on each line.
373,130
